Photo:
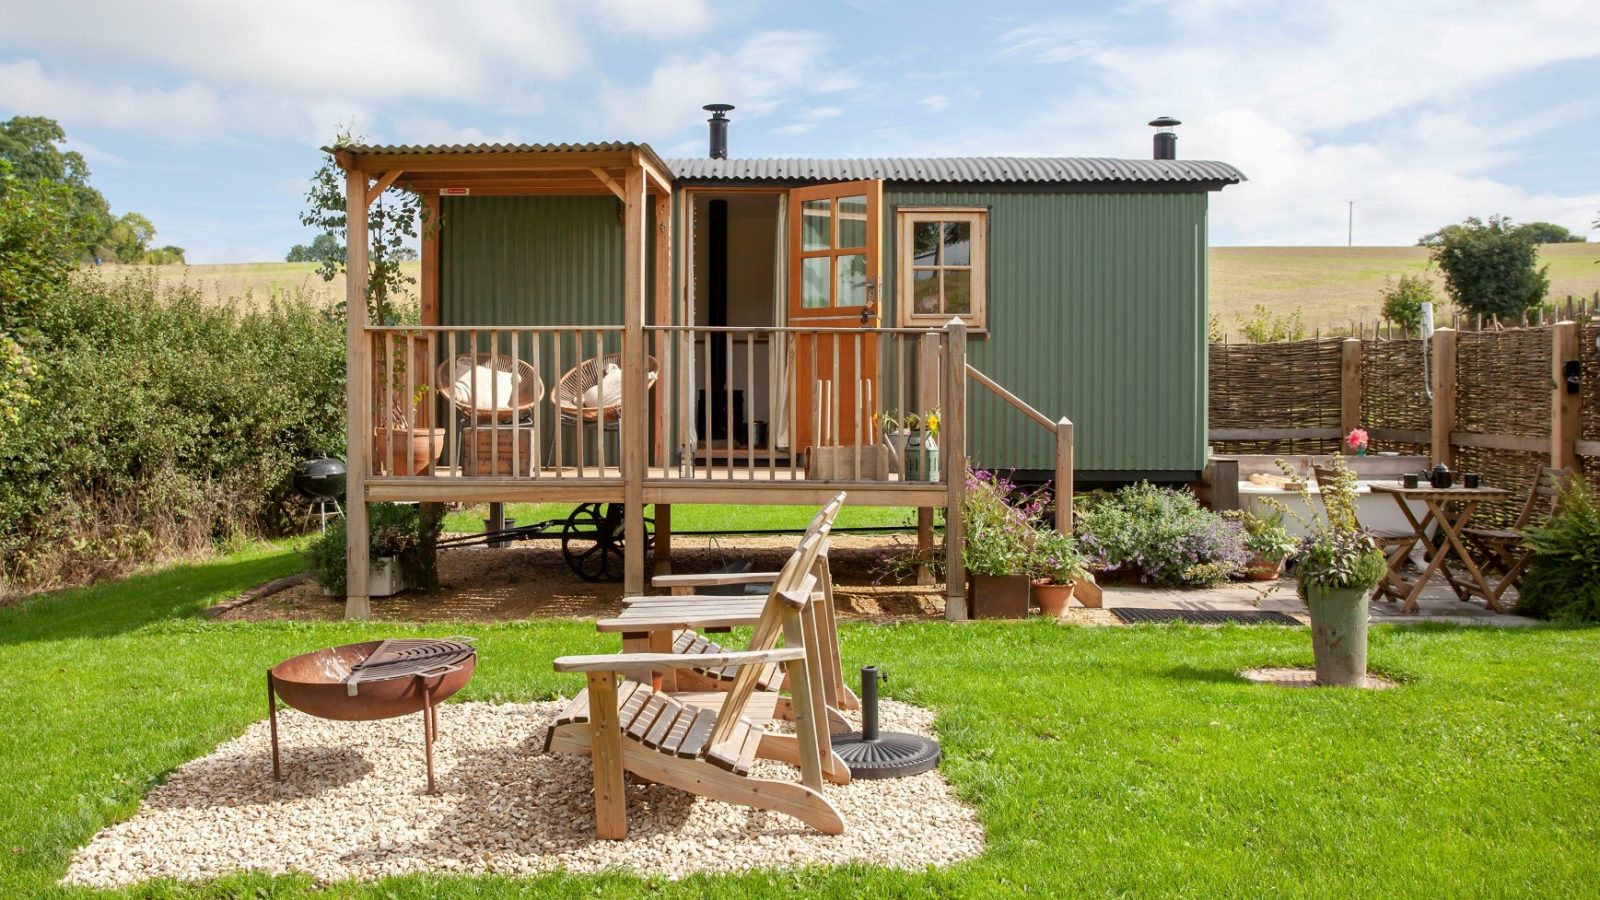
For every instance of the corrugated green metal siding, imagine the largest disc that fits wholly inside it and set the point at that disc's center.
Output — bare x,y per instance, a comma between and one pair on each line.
1097,312
530,261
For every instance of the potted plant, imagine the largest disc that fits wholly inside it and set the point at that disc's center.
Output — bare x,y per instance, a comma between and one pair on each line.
911,440
997,546
405,445
1269,543
1338,567
400,541
1055,565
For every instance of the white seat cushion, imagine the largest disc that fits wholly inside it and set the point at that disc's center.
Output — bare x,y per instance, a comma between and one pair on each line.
490,384
608,392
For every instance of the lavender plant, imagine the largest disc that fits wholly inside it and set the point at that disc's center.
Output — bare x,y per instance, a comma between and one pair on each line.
1162,535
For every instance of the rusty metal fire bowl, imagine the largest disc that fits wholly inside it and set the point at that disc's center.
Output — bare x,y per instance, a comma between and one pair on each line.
373,680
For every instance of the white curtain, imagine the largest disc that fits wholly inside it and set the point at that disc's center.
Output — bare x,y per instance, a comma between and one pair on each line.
780,361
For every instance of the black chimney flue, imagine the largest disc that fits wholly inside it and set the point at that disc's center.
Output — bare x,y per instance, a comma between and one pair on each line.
1166,140
719,128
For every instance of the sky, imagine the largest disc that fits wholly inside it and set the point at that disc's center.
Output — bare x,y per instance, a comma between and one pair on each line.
206,115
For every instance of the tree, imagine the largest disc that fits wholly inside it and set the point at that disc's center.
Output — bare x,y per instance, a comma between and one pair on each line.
1490,269
36,255
29,143
1549,233
1402,301
165,256
128,238
324,248
391,224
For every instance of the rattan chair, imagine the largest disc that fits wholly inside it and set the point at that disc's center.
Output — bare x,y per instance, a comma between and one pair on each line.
576,396
486,387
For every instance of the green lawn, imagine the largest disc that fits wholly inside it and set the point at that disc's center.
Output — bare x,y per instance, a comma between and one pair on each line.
1103,761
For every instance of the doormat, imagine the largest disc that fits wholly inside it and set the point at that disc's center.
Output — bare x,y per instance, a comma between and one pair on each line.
1201,616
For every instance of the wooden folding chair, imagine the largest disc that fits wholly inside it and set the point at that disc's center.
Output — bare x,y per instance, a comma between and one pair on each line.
1396,544
706,742
1504,549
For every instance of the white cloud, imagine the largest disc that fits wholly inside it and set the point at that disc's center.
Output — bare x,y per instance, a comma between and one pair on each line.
935,103
1320,103
189,108
809,120
661,19
304,48
767,70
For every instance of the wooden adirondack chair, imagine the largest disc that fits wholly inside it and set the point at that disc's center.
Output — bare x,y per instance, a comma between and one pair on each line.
705,742
689,640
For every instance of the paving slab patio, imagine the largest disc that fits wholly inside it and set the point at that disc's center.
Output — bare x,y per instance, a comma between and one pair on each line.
1437,604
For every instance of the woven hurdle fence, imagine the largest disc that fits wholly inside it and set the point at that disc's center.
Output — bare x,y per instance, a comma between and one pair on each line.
1501,402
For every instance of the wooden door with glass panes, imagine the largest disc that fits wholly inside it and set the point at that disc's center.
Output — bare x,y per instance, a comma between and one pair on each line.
834,234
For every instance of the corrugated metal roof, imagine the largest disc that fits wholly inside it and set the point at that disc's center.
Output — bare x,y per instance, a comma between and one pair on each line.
457,149
960,170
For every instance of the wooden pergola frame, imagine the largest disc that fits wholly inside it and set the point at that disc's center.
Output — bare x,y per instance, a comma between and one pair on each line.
633,174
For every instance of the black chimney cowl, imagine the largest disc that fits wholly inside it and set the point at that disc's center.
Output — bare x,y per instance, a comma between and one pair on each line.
1166,144
719,128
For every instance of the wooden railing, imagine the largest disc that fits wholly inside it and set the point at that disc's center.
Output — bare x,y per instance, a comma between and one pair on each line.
793,403
1062,429
483,402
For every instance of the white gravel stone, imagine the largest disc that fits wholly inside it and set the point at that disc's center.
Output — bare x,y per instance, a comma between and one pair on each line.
352,807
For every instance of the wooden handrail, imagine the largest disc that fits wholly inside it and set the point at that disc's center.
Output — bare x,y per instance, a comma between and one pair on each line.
1063,433
1009,397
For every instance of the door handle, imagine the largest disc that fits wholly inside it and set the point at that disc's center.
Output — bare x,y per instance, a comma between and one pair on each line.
871,308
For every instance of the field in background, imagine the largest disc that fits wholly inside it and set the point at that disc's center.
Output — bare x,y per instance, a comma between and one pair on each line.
1332,286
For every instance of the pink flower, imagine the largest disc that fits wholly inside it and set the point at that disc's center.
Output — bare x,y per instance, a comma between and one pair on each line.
1357,438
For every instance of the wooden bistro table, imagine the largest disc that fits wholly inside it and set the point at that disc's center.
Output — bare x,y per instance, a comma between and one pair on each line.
1434,499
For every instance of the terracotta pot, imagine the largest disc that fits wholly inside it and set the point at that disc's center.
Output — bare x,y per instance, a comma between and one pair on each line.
1263,568
999,596
1053,599
408,456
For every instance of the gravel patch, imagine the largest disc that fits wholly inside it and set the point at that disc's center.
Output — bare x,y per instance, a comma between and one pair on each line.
352,807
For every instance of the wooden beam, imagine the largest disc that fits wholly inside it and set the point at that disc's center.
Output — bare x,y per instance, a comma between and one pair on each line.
430,261
635,420
660,180
399,489
553,161
954,431
1064,475
1349,390
662,303
358,399
1013,399
1444,394
1518,443
382,185
1566,409
1275,434
610,183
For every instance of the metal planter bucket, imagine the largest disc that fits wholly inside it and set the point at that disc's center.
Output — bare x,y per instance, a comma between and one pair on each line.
921,459
1339,636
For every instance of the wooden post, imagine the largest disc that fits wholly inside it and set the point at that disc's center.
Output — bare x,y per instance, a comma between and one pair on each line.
954,430
663,541
1444,394
1064,476
1566,409
1350,388
429,279
1224,486
928,380
635,420
662,300
358,398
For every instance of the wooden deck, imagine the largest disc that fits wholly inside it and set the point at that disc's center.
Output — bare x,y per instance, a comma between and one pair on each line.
661,485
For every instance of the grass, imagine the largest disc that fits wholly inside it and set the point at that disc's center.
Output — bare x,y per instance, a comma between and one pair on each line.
1332,286
708,518
1103,761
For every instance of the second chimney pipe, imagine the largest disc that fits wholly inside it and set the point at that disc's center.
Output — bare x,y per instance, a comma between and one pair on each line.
1166,144
719,128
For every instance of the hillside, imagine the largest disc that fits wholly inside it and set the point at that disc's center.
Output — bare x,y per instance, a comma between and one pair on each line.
1331,286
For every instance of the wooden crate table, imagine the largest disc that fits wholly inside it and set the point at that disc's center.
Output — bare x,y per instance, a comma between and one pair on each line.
499,450
1450,527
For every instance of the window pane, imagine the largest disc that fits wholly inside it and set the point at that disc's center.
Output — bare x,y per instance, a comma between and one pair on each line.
853,279
925,291
816,225
957,243
925,243
958,291
814,275
853,221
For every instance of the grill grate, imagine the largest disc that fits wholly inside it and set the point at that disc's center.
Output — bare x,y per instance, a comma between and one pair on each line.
1202,616
409,657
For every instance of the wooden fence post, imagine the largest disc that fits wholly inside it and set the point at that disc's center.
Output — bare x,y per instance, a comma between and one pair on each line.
1444,394
928,381
1350,388
1566,409
1064,476
954,431
358,399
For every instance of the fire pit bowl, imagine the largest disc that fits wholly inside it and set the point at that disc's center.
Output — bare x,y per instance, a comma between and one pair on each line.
372,680
316,684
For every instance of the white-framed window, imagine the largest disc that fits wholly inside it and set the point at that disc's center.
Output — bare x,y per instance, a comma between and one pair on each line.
942,265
